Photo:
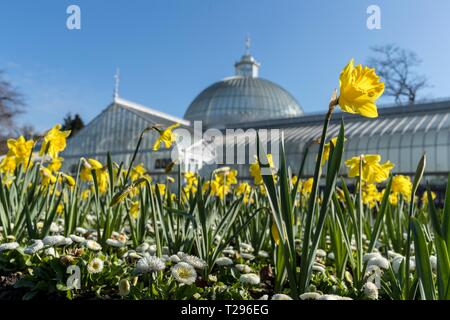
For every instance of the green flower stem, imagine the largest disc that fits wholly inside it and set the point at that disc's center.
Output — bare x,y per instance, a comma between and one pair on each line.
305,265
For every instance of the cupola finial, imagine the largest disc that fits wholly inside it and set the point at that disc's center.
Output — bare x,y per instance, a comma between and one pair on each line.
248,66
248,43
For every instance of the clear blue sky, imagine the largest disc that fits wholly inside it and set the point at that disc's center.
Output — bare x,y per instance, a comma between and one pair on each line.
169,50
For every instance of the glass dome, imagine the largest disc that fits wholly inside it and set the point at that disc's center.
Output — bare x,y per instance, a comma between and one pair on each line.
242,98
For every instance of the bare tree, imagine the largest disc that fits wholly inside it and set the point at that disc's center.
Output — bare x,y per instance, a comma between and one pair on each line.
11,104
396,67
28,131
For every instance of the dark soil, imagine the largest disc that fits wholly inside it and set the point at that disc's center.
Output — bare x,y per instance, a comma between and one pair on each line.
7,290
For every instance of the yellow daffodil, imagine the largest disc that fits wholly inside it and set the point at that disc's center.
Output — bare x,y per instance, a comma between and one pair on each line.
85,194
55,164
161,188
294,180
60,209
224,180
275,234
20,151
101,173
191,178
227,177
370,195
20,148
307,186
263,190
88,166
222,191
8,165
47,176
102,179
360,87
425,197
69,180
327,149
244,189
7,181
137,172
372,170
255,170
170,179
165,136
340,194
210,186
402,184
191,183
393,198
54,142
134,210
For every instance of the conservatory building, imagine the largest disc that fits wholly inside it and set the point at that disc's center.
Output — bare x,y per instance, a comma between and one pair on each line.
243,104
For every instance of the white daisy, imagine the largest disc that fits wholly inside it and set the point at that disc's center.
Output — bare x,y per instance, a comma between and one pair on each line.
371,255
115,243
320,253
263,254
264,297
310,296
93,245
50,252
250,278
115,234
332,297
318,268
81,230
142,247
243,268
184,273
68,241
149,264
370,291
174,258
281,296
224,261
379,261
229,252
95,266
412,264
247,256
35,247
194,261
393,254
131,254
8,246
54,228
433,262
124,287
77,239
246,247
52,241
212,278
152,249
397,261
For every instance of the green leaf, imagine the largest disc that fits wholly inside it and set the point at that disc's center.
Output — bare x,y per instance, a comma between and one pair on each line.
446,217
423,265
380,216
